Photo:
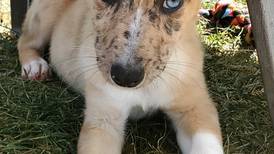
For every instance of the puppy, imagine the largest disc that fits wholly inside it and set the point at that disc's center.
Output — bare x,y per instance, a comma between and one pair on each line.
128,58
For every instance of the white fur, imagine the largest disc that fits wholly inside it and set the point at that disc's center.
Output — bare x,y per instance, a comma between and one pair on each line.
146,99
184,141
206,143
133,40
34,67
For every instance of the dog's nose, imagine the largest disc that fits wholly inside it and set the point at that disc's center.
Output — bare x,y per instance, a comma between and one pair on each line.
127,76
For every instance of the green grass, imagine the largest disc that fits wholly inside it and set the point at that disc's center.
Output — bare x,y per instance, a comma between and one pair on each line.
45,117
35,117
235,82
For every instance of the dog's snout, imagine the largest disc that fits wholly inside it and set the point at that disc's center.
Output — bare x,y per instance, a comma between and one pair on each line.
127,75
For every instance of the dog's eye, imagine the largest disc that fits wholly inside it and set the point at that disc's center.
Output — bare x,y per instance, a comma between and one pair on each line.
170,6
110,2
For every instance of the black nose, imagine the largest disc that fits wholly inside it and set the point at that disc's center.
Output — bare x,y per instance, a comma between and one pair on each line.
127,76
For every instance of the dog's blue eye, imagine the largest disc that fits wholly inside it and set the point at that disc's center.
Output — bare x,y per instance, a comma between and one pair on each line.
170,6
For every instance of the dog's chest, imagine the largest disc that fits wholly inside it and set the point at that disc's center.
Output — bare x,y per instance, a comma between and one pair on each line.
144,99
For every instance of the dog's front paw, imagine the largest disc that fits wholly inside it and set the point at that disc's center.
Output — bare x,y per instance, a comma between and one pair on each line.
37,69
205,143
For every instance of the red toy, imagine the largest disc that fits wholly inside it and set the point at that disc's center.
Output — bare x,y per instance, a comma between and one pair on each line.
225,13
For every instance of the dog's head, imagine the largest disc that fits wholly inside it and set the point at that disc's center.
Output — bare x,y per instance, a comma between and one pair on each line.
134,37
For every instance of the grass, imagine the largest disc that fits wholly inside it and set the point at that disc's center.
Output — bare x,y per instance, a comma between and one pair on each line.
45,117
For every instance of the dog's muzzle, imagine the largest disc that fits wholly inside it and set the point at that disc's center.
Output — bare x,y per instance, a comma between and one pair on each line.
128,75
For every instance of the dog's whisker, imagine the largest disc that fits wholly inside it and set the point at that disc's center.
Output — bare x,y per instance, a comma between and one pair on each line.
175,77
82,72
169,69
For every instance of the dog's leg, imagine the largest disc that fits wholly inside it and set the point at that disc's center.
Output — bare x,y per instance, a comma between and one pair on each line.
196,122
103,128
36,33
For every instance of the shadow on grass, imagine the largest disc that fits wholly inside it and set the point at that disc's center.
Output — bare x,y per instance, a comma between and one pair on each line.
235,83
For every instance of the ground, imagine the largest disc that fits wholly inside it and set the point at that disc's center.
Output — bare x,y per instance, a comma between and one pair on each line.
45,117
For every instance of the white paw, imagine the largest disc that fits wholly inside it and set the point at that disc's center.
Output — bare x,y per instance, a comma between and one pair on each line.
206,143
37,69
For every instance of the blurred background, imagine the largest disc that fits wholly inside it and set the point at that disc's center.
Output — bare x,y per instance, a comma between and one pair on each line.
5,16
